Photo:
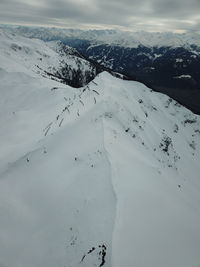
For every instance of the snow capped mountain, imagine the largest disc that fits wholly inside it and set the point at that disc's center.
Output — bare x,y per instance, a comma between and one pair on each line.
102,175
155,59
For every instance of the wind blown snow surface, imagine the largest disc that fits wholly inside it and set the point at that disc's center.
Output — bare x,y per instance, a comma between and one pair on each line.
104,175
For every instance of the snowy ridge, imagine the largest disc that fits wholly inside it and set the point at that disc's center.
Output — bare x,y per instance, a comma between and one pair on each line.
102,175
150,141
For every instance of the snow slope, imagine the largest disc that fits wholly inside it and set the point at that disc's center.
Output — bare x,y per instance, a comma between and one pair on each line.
37,58
103,175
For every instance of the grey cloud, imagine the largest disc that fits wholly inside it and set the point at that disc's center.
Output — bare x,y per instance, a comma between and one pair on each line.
176,9
161,15
64,9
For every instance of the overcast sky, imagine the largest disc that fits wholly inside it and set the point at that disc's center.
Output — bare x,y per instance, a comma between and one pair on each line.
150,15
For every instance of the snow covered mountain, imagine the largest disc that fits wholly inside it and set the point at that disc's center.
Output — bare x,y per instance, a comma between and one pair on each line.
102,175
51,59
166,62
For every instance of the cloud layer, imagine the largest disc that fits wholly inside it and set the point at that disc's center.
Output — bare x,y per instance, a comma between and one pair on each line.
150,15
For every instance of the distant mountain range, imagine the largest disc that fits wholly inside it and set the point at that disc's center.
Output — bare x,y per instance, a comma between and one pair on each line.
111,37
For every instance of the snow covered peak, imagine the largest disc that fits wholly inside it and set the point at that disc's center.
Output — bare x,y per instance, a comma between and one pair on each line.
102,175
